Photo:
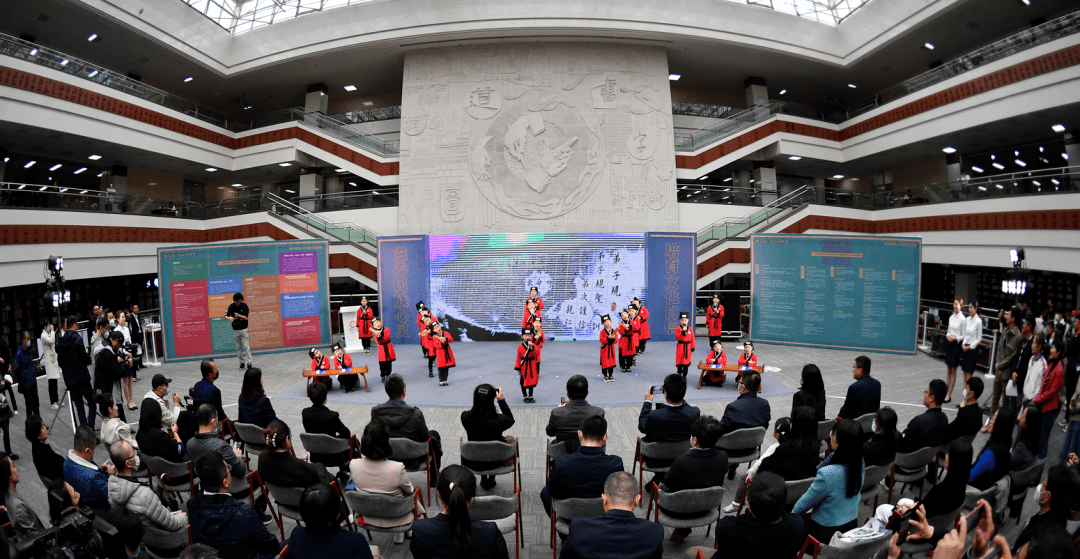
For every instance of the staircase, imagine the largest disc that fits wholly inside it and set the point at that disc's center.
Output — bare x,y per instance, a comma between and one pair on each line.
740,228
335,231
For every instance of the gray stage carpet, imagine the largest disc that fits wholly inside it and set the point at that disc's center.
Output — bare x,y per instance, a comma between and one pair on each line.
493,363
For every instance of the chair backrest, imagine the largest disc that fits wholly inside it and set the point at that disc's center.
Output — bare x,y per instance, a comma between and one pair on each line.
943,523
866,421
492,507
691,500
1028,476
378,505
874,474
405,449
567,509
796,489
857,550
555,450
317,443
163,539
665,450
824,429
742,439
160,466
917,458
249,433
969,439
288,496
487,451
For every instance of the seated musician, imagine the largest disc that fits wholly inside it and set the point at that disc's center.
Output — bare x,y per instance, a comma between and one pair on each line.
343,360
319,362
748,358
715,377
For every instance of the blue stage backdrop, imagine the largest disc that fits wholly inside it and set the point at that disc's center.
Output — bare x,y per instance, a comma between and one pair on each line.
672,281
836,291
403,280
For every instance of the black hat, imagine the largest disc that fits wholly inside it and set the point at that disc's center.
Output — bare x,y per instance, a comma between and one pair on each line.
605,318
532,287
335,348
528,331
158,380
311,353
636,299
538,318
420,305
715,341
684,315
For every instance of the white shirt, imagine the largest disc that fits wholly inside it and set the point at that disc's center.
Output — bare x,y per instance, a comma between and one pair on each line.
168,417
125,331
956,326
1033,380
972,331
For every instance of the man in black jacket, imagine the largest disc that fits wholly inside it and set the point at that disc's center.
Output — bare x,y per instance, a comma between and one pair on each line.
565,420
1022,362
217,519
702,468
73,358
581,474
767,532
407,422
617,534
930,427
204,391
321,420
969,419
863,395
109,367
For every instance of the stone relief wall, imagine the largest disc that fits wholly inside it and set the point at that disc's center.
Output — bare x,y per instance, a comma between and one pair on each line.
537,137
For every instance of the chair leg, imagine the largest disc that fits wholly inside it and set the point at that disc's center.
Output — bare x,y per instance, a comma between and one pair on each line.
892,482
922,485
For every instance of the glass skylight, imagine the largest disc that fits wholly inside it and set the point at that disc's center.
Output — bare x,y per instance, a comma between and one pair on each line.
829,12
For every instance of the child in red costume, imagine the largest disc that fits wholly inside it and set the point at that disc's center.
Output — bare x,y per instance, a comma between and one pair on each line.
685,345
440,342
714,317
320,363
716,377
627,338
343,360
643,320
381,336
609,341
527,365
364,314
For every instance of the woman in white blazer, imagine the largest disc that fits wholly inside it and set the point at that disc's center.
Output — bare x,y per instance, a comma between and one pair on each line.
52,366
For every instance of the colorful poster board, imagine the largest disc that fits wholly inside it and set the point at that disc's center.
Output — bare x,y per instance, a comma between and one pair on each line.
836,291
671,276
284,283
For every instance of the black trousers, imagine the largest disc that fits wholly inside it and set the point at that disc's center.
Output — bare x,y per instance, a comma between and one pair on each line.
641,346
608,372
54,391
682,370
80,393
626,361
431,364
365,343
444,373
386,368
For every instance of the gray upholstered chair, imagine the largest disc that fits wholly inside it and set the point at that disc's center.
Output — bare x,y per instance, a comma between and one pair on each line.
505,512
492,451
318,443
742,439
405,450
384,506
866,421
162,544
824,434
172,477
1021,482
251,436
286,502
554,450
660,450
872,476
912,467
707,501
565,510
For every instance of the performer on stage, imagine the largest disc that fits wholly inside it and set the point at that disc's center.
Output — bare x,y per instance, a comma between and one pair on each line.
363,324
714,317
635,319
627,337
686,345
421,313
538,340
343,360
532,310
386,348
429,346
608,342
534,296
643,319
716,356
320,363
440,342
748,358
527,365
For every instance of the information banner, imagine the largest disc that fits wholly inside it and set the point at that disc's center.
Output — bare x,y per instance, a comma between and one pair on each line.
836,291
403,280
284,284
671,275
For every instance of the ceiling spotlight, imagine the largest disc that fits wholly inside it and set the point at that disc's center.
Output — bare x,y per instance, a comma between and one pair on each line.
1021,163
92,37
290,191
1025,2
350,88
28,165
81,169
674,77
100,174
42,188
21,186
187,79
982,188
949,150
55,167
352,184
998,166
999,187
339,170
92,74
1016,256
838,176
64,189
245,105
284,164
94,157
1065,156
82,192
368,103
727,179
1016,152
1055,181
851,85
211,169
237,184
703,177
1036,183
33,52
977,169
783,91
928,46
1059,128
795,157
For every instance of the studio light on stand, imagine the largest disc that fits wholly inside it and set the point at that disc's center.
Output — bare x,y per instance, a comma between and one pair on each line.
1016,280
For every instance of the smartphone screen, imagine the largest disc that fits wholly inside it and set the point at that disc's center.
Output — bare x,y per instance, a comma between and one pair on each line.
658,389
562,400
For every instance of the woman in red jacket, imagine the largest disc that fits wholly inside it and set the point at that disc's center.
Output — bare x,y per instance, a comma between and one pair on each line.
715,377
608,342
364,314
685,346
1047,398
444,356
714,317
343,360
643,321
627,339
527,365
386,348
319,362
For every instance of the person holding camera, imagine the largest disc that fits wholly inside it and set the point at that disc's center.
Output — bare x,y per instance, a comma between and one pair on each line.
128,351
109,366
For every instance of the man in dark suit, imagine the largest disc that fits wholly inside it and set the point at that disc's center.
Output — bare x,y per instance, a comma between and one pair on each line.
321,420
767,532
565,420
747,411
670,422
581,474
73,358
930,427
219,520
702,468
407,422
618,534
1022,362
864,395
204,391
969,419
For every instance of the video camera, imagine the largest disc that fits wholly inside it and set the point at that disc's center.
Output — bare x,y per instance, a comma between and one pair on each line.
75,536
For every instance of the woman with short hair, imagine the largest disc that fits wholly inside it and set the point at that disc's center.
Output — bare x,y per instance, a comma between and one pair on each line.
375,472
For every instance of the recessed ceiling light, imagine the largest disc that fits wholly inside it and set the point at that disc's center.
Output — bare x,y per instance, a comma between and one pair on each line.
1055,181
368,103
82,192
92,74
795,157
1016,152
64,189
727,179
211,169
290,191
64,62
221,188
284,164
350,88
1021,163
783,91
1036,183
55,167
237,184
100,174
1058,128
703,177
94,157
28,165
1041,149
92,37
42,188
977,169
352,184
838,176
674,77
6,159
928,46
851,85
375,192
982,188
1065,156
187,79
339,170
998,166
33,52
21,186
1000,187
80,170
949,150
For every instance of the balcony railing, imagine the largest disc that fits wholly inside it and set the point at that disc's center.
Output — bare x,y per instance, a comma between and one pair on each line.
334,127
734,122
733,227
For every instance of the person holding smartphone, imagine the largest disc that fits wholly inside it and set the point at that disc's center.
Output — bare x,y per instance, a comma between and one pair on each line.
670,421
484,423
526,365
685,345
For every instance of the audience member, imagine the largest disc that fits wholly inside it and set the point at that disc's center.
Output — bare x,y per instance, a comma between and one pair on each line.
702,468
618,534
581,474
1023,360
110,366
217,519
113,428
881,448
927,429
1036,368
969,419
1070,444
863,395
1053,497
253,406
670,422
127,542
451,534
47,462
406,421
832,502
1049,392
278,464
159,389
797,457
209,441
1026,448
782,432
199,551
766,531
204,391
86,477
153,441
483,423
321,420
126,491
811,392
747,411
321,536
1007,351
1071,355
7,404
565,420
73,357
948,495
994,460
24,521
26,374
374,472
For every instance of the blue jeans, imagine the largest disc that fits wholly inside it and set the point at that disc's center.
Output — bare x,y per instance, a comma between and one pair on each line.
1048,423
1071,442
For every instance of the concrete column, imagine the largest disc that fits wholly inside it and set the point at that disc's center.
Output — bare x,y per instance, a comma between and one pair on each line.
819,190
757,93
333,185
1072,149
316,98
952,167
765,180
742,181
3,166
311,183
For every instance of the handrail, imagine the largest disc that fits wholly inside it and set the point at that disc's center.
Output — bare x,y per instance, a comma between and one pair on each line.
735,226
345,231
342,130
734,122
